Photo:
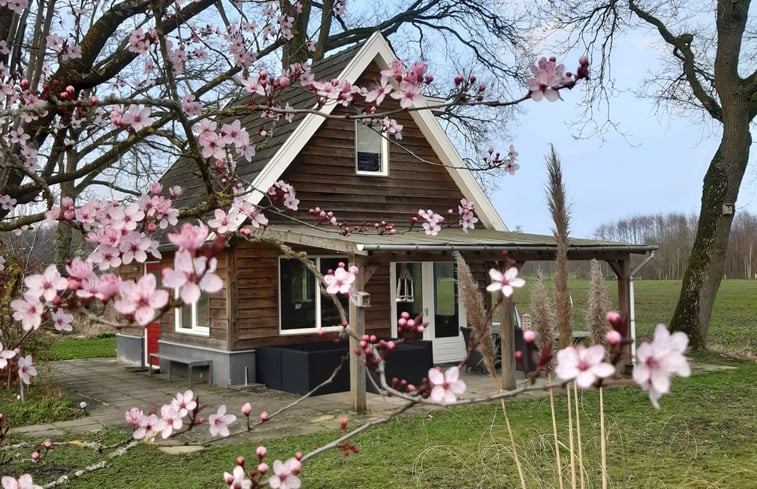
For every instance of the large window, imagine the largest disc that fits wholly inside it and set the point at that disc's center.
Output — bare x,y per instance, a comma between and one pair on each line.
194,318
371,150
302,308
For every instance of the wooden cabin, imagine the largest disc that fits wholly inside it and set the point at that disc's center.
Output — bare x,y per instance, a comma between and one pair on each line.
270,300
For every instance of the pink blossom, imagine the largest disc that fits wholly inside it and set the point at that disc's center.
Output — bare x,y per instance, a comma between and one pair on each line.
171,419
134,246
219,422
257,218
61,320
445,386
189,237
238,479
134,416
7,202
47,284
5,355
55,42
29,311
18,7
138,43
379,92
504,282
468,218
23,482
432,225
660,360
136,117
396,71
25,369
225,223
70,51
140,300
192,276
284,192
185,402
584,365
285,474
548,78
392,127
340,280
107,287
149,427
409,94
78,270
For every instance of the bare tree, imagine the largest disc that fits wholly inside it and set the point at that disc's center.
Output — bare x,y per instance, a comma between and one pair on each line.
711,71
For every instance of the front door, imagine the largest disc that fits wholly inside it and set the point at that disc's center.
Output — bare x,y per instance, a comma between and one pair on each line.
152,332
430,288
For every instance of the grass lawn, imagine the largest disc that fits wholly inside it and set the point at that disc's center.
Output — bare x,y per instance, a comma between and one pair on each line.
62,348
703,437
734,317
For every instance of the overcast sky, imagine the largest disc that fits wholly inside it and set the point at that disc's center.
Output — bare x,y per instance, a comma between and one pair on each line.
659,167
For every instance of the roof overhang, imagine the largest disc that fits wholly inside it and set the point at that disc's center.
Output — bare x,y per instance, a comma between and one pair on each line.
483,242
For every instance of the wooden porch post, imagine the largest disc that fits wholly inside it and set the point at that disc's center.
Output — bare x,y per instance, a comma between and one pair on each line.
622,269
507,338
357,327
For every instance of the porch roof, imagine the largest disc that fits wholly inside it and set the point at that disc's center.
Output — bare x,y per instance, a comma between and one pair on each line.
480,241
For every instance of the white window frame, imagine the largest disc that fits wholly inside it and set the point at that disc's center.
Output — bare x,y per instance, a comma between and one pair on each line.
384,163
317,299
194,329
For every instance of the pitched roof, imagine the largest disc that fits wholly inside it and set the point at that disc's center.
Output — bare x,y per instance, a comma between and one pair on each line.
288,139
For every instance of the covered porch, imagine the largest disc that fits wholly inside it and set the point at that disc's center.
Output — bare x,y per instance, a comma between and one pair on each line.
426,264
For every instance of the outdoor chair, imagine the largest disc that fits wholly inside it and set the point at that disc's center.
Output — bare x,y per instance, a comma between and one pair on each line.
475,360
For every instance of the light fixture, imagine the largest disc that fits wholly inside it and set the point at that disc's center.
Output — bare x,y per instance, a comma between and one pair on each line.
405,288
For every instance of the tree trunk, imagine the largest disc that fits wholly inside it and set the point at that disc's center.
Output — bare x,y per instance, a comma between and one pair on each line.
295,50
721,186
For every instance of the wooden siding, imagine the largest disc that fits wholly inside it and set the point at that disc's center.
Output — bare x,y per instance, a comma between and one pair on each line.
256,322
324,176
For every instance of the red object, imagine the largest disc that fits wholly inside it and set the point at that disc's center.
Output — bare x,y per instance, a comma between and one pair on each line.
153,329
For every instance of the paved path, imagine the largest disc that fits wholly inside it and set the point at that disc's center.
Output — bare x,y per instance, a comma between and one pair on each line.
110,389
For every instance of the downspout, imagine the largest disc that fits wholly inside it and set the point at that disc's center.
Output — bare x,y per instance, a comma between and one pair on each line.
632,306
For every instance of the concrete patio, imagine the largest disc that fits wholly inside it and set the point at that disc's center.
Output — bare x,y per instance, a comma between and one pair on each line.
110,389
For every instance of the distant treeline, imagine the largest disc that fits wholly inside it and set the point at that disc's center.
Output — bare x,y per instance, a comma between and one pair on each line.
674,235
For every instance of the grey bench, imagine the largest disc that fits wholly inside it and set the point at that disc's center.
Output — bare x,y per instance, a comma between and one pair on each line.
186,361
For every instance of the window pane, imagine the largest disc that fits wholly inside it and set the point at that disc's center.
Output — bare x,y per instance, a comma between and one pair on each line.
445,295
186,317
203,311
297,291
329,312
369,144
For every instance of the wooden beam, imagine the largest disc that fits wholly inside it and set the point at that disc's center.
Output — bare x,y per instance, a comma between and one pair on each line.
357,328
507,338
622,269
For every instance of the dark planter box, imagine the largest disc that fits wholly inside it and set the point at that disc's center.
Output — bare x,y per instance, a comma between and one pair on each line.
409,361
300,368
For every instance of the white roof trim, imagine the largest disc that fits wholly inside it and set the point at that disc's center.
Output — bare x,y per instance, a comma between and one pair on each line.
376,48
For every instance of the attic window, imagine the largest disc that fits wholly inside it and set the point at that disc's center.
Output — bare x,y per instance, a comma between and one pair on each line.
371,150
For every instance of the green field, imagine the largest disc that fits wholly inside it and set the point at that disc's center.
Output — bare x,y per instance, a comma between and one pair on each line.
733,327
62,348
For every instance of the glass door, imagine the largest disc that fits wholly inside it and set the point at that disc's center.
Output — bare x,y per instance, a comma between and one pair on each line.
430,288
